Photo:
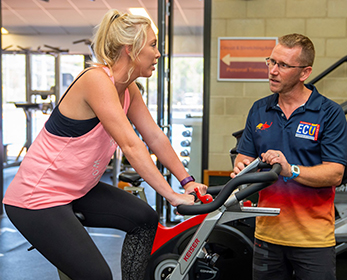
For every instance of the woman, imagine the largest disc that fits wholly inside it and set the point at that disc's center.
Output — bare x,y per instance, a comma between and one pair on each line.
60,173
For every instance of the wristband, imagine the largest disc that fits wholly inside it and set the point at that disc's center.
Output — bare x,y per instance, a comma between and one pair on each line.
187,180
295,173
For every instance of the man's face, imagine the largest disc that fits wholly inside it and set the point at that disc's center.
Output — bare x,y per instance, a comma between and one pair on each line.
284,80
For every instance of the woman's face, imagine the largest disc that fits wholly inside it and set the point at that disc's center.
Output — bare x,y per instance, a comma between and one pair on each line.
147,58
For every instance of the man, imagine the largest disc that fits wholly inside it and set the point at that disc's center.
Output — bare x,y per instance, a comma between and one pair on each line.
306,133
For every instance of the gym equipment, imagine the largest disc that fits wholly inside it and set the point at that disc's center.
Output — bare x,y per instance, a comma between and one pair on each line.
218,239
341,218
211,246
27,108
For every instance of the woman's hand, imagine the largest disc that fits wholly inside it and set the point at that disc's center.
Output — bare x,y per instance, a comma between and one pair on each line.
190,187
178,199
187,198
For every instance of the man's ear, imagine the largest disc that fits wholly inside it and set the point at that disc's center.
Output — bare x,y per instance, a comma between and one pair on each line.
305,73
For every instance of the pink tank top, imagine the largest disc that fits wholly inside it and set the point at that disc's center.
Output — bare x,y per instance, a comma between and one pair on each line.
57,170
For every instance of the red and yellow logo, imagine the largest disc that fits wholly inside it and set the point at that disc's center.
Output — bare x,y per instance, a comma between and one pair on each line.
263,126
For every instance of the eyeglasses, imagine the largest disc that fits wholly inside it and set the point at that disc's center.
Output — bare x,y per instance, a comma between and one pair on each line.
281,65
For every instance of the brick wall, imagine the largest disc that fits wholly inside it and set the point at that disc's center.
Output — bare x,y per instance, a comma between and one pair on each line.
323,21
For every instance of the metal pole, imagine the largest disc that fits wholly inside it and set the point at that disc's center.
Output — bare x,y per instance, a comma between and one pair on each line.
170,15
206,87
161,86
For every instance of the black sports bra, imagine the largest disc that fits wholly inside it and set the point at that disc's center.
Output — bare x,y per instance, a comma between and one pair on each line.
60,125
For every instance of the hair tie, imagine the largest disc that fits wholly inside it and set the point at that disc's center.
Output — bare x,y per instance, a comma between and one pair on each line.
115,16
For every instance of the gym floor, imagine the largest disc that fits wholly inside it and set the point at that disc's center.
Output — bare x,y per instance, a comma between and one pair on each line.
16,263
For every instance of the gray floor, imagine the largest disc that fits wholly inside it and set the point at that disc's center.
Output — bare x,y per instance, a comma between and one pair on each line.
16,263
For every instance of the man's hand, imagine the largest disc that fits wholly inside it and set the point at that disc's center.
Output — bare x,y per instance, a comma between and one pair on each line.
274,156
241,162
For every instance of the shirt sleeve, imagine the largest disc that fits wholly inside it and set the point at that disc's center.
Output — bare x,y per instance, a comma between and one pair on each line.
334,139
246,145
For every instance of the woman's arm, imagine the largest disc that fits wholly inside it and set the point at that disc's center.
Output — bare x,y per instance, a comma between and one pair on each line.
102,97
157,140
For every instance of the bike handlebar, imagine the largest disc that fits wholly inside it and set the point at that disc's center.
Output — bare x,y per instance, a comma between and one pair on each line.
258,181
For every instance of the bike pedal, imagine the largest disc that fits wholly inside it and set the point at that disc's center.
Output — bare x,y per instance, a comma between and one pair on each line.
211,260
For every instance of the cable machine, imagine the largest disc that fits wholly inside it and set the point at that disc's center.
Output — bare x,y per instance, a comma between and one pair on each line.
36,100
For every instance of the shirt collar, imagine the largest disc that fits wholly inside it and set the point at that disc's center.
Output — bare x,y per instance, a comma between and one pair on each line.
314,102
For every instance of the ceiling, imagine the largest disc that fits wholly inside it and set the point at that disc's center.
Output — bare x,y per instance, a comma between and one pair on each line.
70,17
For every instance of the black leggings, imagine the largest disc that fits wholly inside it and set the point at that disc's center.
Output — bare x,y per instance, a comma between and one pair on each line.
61,237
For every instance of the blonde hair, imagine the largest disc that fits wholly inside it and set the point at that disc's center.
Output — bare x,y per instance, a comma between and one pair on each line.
297,40
115,31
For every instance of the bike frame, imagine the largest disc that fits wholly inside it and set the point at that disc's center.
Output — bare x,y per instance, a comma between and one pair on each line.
165,234
230,211
226,207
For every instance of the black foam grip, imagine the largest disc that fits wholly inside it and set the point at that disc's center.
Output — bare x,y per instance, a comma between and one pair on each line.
259,180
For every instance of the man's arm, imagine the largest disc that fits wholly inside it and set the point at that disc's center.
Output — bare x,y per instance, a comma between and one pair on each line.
322,175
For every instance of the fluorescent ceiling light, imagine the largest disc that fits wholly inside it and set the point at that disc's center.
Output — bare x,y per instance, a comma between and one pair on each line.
4,31
143,12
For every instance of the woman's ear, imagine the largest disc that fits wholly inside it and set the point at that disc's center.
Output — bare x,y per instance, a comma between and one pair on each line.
128,50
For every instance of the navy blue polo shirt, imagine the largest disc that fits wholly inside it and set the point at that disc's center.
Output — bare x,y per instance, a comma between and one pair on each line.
315,132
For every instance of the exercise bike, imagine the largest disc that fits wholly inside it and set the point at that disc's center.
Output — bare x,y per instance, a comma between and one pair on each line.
217,239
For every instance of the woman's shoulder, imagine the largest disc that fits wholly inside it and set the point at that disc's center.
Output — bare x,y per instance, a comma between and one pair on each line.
96,74
97,70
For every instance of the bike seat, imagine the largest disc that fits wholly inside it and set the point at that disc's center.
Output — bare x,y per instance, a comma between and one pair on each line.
130,177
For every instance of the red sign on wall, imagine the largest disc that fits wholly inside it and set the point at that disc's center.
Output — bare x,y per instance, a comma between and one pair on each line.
243,59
